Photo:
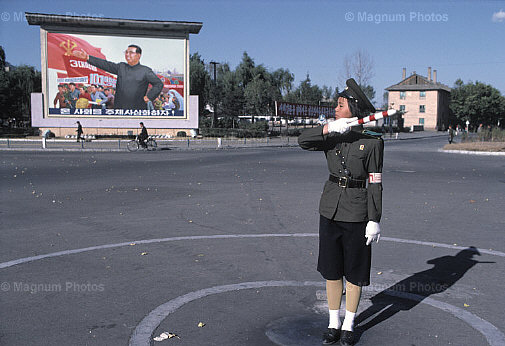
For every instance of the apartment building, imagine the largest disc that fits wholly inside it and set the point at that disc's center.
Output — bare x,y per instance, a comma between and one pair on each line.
425,100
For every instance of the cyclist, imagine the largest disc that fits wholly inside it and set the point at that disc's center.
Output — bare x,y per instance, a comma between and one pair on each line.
143,136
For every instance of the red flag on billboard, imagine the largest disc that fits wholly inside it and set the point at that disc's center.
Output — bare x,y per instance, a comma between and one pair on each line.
59,57
60,46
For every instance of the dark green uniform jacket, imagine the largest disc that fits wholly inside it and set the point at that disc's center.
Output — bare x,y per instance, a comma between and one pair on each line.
132,83
362,154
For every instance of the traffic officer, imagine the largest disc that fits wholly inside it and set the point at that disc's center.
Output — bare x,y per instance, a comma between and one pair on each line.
350,207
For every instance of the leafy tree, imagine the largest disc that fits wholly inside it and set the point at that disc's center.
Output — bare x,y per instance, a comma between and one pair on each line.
258,97
2,58
16,86
199,81
282,80
233,101
306,93
245,70
478,103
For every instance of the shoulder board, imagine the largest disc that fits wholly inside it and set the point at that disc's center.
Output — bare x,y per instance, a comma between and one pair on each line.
372,134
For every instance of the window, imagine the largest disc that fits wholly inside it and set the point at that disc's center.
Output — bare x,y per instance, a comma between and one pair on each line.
402,108
421,121
422,109
402,95
422,94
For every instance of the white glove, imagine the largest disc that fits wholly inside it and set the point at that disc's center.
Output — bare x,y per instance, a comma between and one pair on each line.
340,125
372,232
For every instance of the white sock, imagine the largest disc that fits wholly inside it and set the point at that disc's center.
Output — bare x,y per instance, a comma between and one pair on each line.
348,321
334,319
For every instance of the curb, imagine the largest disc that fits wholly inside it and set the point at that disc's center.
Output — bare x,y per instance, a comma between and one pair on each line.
470,152
410,138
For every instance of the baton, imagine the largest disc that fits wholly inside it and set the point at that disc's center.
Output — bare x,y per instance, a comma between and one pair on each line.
372,117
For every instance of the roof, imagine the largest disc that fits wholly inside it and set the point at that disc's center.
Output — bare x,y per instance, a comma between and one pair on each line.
113,25
417,82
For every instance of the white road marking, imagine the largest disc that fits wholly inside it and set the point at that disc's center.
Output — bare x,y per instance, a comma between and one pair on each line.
141,336
224,236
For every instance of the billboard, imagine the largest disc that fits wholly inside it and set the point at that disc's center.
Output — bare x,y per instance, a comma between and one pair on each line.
100,76
287,109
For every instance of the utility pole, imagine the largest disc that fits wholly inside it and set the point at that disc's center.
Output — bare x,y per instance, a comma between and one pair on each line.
214,118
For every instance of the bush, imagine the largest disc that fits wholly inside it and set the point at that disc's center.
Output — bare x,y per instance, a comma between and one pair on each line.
239,133
292,132
257,126
495,135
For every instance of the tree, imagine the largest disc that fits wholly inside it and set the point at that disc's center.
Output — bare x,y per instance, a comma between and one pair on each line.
16,86
2,58
358,65
245,70
283,81
385,100
308,93
232,103
369,91
478,103
259,98
199,81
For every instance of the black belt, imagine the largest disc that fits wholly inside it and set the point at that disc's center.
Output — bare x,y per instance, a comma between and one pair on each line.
347,182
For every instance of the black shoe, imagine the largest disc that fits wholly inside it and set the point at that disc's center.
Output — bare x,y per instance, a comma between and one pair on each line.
347,338
331,336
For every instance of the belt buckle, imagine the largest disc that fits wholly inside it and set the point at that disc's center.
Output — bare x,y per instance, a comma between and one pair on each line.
342,181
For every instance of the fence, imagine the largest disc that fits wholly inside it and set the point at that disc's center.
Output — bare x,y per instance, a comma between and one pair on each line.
163,144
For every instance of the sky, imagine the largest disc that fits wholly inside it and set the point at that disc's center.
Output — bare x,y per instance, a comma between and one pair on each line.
459,39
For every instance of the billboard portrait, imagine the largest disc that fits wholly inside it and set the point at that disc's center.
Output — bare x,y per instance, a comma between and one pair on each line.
115,76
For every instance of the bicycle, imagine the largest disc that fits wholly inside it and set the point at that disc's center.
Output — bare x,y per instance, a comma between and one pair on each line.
134,144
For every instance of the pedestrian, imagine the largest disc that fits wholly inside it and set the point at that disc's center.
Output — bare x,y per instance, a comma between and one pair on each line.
79,131
143,136
350,209
450,131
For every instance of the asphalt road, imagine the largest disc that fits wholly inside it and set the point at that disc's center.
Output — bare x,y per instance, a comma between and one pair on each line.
256,284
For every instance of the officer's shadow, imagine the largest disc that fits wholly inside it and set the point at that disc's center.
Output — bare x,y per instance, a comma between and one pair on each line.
406,294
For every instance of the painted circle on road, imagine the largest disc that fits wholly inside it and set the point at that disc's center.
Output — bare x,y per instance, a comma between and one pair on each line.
142,334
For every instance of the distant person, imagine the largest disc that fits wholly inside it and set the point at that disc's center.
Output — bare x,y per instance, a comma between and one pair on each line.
133,78
60,98
450,131
79,131
143,136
